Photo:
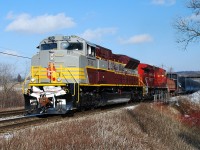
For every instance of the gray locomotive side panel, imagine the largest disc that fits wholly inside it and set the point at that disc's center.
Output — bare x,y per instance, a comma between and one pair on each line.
82,64
35,60
102,64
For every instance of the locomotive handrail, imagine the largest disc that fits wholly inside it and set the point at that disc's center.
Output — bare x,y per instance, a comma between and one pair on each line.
72,75
24,83
164,97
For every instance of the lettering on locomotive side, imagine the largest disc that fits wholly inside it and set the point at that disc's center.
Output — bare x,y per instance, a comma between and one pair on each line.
90,62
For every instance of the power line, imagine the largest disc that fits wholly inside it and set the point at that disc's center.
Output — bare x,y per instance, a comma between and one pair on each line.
15,55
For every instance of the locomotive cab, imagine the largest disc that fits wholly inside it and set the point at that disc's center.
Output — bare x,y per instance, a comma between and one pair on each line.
68,43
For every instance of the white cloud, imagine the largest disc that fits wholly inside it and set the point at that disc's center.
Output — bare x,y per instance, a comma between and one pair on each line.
164,2
137,39
39,24
98,33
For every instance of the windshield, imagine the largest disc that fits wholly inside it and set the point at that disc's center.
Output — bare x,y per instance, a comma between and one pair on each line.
71,46
48,46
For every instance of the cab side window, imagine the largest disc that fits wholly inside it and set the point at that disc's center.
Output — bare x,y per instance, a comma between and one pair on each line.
71,46
91,51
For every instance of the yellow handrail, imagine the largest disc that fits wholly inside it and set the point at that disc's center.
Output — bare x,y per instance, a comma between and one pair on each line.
63,74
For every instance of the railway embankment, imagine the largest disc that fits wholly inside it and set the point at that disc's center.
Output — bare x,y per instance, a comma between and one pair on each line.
145,126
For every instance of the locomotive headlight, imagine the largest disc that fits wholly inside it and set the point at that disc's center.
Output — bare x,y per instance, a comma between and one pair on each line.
58,79
51,38
66,37
32,80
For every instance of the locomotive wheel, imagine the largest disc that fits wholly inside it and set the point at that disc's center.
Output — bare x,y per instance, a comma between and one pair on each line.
82,109
69,114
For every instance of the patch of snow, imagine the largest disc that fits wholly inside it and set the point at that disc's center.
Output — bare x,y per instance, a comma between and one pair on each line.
116,101
131,107
195,97
174,99
7,136
186,116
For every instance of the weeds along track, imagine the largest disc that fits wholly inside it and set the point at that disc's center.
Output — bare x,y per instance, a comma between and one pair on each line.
8,126
12,113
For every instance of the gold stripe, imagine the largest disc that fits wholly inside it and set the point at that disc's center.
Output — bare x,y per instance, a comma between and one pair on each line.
131,85
59,68
110,60
62,84
65,77
47,84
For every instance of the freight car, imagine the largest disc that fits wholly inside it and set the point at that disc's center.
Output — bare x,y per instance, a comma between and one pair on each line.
184,83
189,84
71,73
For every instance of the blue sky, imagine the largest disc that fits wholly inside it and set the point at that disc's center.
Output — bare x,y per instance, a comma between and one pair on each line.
141,29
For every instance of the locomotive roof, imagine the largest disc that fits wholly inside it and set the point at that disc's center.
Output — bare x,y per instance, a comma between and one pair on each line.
132,62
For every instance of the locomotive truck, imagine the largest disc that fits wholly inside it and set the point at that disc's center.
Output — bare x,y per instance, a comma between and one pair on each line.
70,73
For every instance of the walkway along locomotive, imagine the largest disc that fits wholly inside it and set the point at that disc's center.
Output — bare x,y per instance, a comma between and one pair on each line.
70,73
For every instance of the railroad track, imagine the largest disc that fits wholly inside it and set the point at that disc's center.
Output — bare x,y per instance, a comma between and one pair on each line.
4,114
8,126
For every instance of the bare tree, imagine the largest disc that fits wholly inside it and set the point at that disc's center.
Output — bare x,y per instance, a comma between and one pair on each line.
9,96
188,28
5,77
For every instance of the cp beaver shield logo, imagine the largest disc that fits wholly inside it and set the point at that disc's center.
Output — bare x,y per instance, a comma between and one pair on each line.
51,71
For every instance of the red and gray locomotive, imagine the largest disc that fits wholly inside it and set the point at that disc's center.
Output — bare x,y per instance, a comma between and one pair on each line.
71,73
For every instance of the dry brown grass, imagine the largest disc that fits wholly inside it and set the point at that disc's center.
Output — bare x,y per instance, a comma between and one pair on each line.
11,109
165,126
146,127
190,112
12,99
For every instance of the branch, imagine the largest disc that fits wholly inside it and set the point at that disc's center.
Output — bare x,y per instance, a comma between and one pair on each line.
195,5
188,30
